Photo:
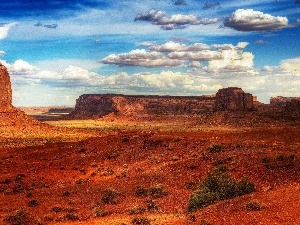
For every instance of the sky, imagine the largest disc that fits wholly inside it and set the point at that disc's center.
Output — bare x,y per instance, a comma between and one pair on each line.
57,50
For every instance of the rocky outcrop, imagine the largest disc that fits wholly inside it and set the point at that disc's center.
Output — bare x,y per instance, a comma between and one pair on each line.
233,99
99,105
281,102
5,89
293,106
9,115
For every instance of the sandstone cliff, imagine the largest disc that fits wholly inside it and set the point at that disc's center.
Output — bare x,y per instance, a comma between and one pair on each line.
5,89
9,115
293,106
99,105
233,99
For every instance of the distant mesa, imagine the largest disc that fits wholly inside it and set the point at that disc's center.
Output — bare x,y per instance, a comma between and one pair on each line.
233,99
99,105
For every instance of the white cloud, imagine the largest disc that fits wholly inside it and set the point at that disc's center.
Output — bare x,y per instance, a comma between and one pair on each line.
178,21
60,64
221,57
250,20
4,28
2,53
291,66
19,67
141,57
233,61
74,80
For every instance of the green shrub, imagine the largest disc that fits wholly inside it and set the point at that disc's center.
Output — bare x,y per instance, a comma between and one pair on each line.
219,185
109,195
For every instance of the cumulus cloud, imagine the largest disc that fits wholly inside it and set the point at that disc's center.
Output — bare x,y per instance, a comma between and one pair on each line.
221,58
141,57
2,53
178,21
19,67
291,66
233,60
69,76
250,20
4,28
271,81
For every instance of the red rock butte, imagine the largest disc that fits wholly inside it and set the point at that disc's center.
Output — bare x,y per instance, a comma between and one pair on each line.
9,115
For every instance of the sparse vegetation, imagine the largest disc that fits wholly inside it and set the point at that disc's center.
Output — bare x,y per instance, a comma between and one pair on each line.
56,209
109,196
216,148
253,206
152,206
156,191
218,185
72,217
33,203
137,210
140,221
19,218
98,212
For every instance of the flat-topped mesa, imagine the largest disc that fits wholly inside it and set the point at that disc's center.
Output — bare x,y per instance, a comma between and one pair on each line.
99,105
5,88
233,99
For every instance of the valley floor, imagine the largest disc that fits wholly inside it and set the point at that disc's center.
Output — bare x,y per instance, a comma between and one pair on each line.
114,171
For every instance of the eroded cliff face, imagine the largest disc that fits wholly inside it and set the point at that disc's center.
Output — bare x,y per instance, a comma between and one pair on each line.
98,105
5,89
233,99
11,117
293,106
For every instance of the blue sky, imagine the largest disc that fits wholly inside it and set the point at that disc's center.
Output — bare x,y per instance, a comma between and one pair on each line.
58,50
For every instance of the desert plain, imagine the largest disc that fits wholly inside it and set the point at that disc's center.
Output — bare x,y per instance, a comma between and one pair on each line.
115,170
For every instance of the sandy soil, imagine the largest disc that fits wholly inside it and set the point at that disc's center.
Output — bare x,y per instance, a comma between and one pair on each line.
69,179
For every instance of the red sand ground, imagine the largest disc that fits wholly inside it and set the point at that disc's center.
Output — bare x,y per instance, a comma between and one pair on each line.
64,183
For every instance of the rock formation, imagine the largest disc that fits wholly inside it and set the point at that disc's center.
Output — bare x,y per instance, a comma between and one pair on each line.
292,106
233,99
99,105
9,115
5,89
